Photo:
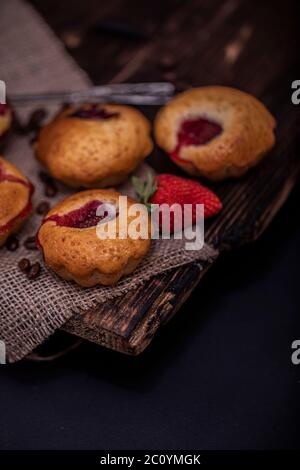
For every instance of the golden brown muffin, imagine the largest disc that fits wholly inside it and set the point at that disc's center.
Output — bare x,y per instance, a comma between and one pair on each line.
5,119
94,145
72,247
15,199
215,131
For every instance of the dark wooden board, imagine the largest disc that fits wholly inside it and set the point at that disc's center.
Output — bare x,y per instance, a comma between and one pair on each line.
250,45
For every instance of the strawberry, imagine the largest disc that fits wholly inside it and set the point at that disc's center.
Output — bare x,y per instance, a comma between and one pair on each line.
170,189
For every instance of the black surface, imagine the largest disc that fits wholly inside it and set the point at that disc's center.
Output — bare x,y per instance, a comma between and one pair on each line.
218,377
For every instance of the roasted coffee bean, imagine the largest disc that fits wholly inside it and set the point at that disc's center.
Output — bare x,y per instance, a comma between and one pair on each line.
12,243
50,190
24,265
34,271
43,208
18,127
30,243
50,186
36,119
65,106
167,62
170,76
33,139
45,177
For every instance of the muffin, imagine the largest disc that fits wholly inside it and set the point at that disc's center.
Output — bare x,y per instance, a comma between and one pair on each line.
215,132
70,240
6,117
94,145
15,196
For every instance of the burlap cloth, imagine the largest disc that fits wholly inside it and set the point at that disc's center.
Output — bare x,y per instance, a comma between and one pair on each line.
32,59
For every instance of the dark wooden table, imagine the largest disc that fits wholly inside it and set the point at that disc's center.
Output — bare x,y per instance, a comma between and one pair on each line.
250,45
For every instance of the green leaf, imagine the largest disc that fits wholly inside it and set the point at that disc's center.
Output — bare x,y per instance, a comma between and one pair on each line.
144,189
138,185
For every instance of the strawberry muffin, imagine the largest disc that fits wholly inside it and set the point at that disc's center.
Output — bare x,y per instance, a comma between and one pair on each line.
15,196
6,116
94,145
215,131
72,238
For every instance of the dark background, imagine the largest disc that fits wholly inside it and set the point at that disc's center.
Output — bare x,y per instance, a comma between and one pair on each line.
219,376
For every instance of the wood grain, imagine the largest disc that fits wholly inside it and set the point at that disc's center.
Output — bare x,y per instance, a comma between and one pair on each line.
250,45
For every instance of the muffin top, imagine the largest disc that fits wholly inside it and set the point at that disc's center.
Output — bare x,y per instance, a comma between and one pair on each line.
73,246
5,118
15,195
215,131
94,145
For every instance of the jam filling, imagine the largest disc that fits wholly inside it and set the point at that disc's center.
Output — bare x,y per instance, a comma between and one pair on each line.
27,209
197,131
84,217
14,179
3,109
93,113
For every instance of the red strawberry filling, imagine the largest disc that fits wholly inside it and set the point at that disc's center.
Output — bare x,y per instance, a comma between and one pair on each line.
27,209
84,217
3,109
197,131
93,113
14,179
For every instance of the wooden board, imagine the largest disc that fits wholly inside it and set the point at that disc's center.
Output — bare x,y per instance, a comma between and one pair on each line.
250,45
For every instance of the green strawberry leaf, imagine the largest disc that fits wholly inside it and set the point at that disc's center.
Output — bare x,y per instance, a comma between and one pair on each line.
144,189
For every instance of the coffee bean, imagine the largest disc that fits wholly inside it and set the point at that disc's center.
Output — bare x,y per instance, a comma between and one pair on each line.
50,186
167,62
34,271
33,139
170,76
36,119
30,243
19,128
24,265
72,39
45,177
12,243
65,106
43,208
50,190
